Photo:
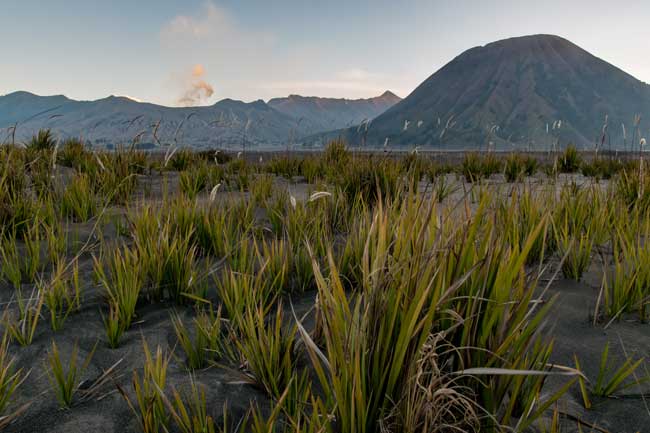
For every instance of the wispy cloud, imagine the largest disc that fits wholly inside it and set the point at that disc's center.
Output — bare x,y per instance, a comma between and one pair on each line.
249,63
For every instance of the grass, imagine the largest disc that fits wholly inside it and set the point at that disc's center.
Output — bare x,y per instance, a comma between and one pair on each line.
193,181
610,381
374,337
10,377
189,410
419,311
79,201
43,140
205,342
168,258
148,404
122,278
514,168
62,294
442,188
569,161
65,377
476,167
268,349
23,328
73,153
577,249
237,292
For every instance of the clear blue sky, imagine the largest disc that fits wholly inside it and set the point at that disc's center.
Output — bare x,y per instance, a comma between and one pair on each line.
258,49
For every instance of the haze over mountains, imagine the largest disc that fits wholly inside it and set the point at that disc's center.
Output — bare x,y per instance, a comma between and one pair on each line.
120,120
526,92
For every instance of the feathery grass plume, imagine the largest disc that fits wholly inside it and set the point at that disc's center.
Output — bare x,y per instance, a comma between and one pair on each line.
214,191
65,379
149,406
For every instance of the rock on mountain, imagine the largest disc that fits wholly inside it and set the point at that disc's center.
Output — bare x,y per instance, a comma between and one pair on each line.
511,93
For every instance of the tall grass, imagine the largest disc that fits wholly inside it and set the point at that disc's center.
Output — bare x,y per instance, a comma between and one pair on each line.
10,377
373,338
65,377
79,201
148,404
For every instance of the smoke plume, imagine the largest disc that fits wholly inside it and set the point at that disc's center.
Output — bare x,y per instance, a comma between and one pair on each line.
196,88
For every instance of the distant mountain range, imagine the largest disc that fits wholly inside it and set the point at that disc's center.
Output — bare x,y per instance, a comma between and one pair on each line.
525,92
228,123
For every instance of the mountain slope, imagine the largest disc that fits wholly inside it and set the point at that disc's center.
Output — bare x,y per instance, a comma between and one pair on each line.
326,114
508,93
119,120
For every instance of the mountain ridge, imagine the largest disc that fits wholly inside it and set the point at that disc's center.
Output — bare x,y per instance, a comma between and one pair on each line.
227,122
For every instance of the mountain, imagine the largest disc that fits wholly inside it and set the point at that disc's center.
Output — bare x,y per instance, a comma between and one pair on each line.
512,93
119,120
326,114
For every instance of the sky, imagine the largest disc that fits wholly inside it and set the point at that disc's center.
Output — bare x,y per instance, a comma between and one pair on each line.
196,52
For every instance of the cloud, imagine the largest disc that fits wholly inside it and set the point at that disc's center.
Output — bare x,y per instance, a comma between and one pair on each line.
249,63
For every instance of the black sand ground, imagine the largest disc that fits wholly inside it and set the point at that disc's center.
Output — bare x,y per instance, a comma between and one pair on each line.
570,322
